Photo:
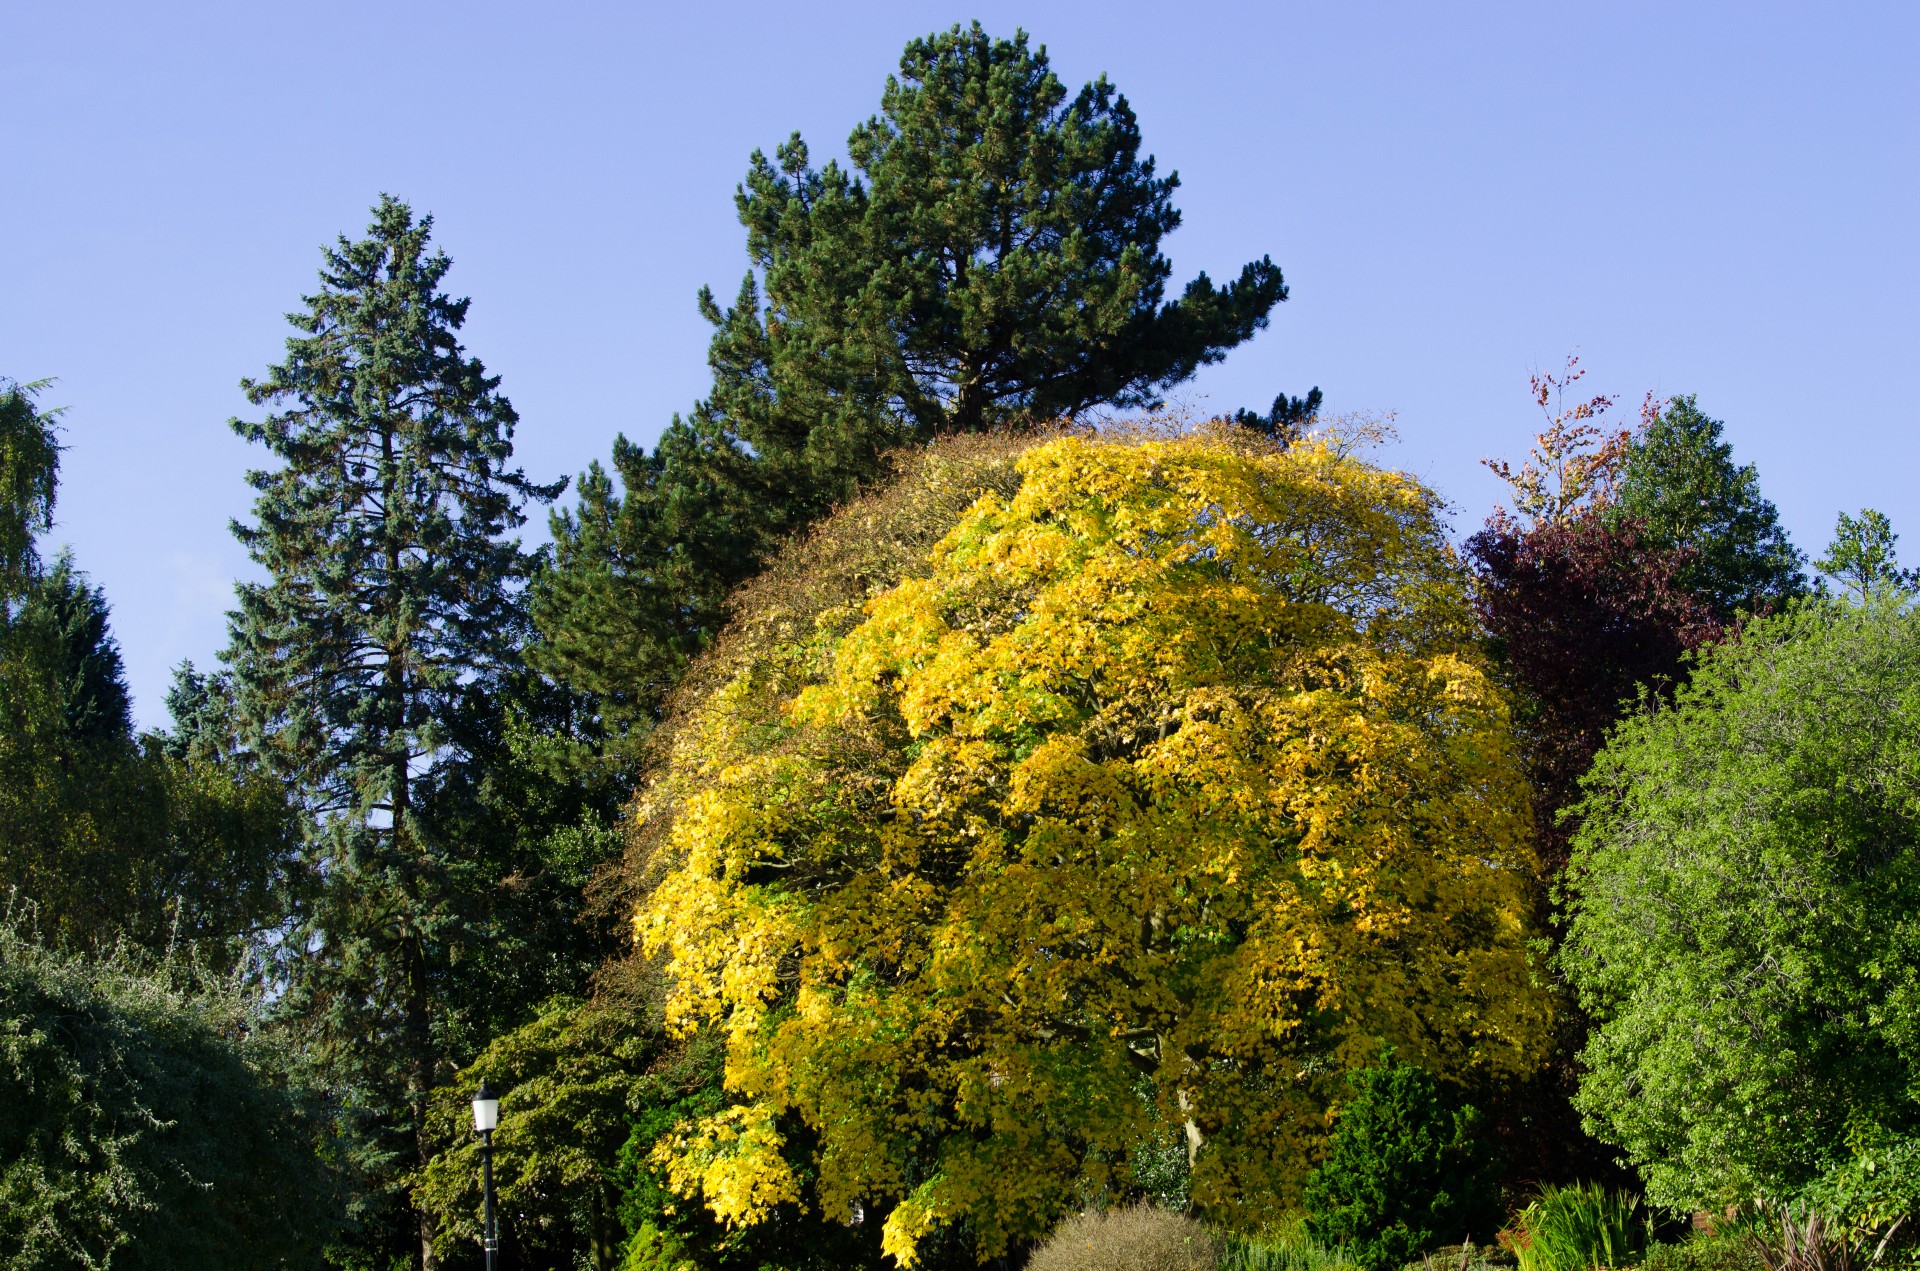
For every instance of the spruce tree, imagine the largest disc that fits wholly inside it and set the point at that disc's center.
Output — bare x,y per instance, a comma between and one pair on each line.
1681,485
83,655
391,605
991,255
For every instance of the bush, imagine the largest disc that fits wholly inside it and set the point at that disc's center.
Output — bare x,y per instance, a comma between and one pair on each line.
1464,1257
1704,1252
145,1121
1744,911
1404,1174
1139,1238
1579,1228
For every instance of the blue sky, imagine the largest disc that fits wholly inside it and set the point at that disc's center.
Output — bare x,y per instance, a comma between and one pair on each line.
1706,198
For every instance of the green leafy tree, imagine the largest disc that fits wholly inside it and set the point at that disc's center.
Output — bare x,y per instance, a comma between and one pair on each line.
150,1120
1741,910
1861,558
114,836
29,475
1680,484
391,605
571,1081
992,254
1405,1171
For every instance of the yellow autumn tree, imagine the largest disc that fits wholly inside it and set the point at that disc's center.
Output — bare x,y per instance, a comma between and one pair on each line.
1162,786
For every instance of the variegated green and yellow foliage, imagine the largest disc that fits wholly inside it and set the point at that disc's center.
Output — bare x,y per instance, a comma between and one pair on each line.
1165,786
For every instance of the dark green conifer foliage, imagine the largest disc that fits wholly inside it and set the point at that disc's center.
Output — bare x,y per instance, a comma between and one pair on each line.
992,255
88,675
1681,484
392,603
1286,419
1405,1172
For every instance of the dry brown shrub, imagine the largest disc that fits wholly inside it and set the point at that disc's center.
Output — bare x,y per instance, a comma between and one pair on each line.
1139,1238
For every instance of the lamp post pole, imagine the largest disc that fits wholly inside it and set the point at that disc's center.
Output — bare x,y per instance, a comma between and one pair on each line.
486,1115
492,1237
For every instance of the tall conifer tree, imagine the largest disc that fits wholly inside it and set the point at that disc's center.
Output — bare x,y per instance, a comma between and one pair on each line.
391,602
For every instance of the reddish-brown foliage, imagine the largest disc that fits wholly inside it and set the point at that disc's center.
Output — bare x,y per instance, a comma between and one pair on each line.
1585,614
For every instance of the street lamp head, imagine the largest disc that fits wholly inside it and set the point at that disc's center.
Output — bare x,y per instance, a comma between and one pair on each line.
486,1110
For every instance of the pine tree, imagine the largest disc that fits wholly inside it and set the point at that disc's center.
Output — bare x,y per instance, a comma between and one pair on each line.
1286,419
392,603
992,255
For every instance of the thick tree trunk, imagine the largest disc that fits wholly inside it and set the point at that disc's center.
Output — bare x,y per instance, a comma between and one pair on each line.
415,1005
603,1247
420,1083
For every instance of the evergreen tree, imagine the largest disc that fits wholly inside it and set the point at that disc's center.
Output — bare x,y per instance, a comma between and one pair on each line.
1680,484
1404,1171
116,837
89,676
391,605
1286,419
991,255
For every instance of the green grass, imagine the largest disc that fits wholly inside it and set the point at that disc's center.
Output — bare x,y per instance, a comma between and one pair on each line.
1282,1246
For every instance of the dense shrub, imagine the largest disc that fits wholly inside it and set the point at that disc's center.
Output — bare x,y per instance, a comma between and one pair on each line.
1744,913
145,1122
1405,1172
1704,1251
1139,1238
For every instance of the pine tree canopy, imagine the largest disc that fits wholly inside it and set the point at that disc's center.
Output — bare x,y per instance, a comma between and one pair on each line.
1286,419
995,249
992,254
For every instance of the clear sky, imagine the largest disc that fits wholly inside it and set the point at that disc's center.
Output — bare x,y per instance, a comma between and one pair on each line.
1706,198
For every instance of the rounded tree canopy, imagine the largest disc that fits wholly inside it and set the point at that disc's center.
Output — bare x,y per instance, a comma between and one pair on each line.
1742,913
1077,789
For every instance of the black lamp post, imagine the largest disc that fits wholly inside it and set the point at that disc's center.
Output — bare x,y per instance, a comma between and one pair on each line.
486,1115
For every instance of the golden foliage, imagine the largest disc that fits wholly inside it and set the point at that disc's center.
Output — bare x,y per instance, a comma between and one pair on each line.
1161,787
